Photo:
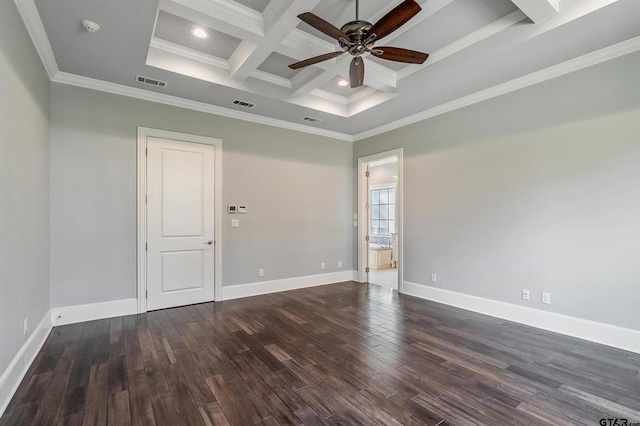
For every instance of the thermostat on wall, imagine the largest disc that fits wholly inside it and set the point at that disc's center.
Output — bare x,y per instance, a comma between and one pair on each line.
232,209
242,209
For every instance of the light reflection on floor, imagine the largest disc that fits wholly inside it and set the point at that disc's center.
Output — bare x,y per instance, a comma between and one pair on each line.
384,322
384,277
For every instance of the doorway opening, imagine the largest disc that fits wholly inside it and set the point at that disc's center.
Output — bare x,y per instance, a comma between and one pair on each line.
380,219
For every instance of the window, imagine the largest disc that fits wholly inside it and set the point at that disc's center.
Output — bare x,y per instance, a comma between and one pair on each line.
383,211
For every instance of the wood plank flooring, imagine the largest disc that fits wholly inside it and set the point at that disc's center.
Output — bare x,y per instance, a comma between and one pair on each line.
340,354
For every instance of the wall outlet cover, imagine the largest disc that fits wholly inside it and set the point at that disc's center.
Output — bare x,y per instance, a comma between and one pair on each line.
546,298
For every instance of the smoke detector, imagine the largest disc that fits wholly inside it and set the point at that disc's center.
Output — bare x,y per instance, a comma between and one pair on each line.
90,26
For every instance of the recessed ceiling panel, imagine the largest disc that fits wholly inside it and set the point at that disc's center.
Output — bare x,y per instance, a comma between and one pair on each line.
339,12
257,5
178,30
333,86
278,64
451,23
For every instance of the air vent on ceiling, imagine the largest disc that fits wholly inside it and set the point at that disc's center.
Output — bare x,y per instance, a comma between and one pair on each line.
151,81
243,103
312,119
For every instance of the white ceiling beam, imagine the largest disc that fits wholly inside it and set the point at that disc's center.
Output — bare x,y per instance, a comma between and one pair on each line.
280,18
187,53
538,10
301,45
369,101
571,10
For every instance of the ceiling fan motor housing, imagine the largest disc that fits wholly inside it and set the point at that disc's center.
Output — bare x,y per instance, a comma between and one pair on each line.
357,32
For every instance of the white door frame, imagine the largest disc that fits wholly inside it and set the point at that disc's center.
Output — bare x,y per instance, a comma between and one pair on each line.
363,219
143,134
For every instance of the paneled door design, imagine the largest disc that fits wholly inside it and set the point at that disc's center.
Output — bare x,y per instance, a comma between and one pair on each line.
180,223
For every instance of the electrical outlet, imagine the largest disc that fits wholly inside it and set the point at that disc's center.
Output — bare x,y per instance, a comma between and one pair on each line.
261,272
339,263
322,265
25,326
434,278
546,298
525,294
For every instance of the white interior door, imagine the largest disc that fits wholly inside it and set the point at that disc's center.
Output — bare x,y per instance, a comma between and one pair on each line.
180,223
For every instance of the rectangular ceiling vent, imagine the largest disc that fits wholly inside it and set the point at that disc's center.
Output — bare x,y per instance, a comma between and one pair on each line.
243,103
151,81
312,119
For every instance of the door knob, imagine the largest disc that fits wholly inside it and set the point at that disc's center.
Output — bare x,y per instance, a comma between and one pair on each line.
210,242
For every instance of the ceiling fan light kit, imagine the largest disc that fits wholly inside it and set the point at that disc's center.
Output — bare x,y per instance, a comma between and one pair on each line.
358,37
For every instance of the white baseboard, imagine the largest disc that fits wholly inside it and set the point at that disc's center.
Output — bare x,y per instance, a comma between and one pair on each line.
13,375
93,311
274,286
606,334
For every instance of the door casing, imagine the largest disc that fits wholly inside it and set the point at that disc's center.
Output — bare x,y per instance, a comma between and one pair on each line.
143,134
363,217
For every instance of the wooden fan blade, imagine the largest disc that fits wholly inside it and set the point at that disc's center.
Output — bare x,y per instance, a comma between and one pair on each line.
314,60
356,72
395,19
323,26
400,55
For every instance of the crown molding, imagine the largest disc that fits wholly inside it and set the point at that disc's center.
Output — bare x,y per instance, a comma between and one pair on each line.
31,18
185,52
593,58
146,95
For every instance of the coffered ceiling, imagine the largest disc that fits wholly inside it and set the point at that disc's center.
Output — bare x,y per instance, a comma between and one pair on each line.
478,49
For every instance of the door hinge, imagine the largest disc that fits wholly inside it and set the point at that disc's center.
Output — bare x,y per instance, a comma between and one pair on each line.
146,151
145,199
146,294
366,174
366,238
366,269
146,246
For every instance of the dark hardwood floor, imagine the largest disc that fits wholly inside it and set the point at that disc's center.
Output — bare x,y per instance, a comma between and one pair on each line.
340,354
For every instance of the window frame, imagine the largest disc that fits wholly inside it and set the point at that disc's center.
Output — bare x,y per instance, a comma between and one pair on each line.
394,204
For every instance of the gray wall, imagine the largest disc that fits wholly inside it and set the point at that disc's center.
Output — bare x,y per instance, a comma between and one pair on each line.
537,189
24,184
298,188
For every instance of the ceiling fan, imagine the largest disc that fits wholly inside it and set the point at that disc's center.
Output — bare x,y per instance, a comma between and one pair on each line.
358,37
